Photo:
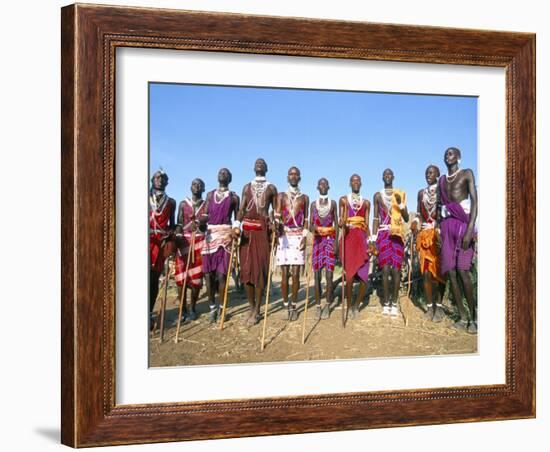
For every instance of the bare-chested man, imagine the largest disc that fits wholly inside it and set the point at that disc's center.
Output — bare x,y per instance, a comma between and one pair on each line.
458,197
257,198
390,214
428,245
221,205
191,219
162,210
354,219
324,218
291,218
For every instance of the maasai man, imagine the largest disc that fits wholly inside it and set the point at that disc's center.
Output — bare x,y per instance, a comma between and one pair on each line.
221,206
324,218
390,214
257,197
458,197
354,218
191,220
428,245
291,216
162,211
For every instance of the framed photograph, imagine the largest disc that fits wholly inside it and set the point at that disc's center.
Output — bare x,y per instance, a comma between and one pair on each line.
324,225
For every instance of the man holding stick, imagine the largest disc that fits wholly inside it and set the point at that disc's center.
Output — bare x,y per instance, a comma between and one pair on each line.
291,218
190,234
324,218
162,211
458,196
253,216
354,219
390,214
221,206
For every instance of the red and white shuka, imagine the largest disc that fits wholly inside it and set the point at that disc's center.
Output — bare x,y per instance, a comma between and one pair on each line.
161,213
188,212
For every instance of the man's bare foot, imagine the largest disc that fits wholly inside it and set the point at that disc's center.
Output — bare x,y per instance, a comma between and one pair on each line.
461,325
285,312
439,313
472,327
253,319
292,314
213,315
429,314
318,313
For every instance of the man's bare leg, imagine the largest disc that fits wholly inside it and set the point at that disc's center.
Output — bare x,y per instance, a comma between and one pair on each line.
429,296
439,313
293,314
258,291
349,295
360,297
461,324
284,291
250,297
469,294
325,314
184,313
386,289
194,297
221,291
396,281
210,279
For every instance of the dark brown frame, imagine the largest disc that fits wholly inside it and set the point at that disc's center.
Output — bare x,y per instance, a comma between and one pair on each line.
90,34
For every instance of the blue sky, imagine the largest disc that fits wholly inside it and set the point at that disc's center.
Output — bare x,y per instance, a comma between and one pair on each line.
195,130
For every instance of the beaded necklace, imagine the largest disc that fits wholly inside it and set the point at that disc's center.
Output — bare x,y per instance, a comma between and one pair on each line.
355,201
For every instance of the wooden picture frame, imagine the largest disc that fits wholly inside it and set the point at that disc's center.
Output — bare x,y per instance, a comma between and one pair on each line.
90,36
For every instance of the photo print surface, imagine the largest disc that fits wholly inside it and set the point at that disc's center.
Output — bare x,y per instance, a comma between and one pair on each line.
350,218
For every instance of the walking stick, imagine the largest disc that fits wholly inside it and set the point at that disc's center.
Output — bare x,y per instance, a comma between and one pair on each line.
410,266
405,316
184,285
227,279
268,287
163,303
309,271
344,282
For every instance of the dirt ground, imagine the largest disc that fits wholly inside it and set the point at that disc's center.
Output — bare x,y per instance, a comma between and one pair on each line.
370,335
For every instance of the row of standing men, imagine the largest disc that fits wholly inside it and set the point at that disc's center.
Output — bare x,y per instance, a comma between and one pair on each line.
444,228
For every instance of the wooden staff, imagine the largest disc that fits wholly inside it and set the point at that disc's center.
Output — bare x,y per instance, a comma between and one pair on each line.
309,271
163,303
407,301
268,287
193,238
410,266
184,285
227,279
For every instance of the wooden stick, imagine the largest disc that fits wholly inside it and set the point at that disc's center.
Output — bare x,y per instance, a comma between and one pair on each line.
193,238
406,319
309,271
163,304
268,287
410,266
227,279
184,285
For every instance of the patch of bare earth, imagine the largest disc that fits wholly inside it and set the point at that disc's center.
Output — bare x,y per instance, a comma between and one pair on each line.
370,335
